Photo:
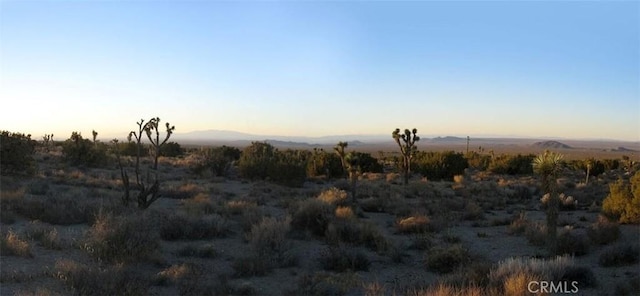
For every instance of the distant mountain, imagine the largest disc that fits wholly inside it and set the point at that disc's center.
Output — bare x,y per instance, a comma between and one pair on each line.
551,144
226,136
623,149
449,139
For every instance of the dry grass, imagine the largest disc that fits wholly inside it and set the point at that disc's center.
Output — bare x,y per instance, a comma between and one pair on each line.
47,235
414,224
12,245
344,213
199,205
86,280
333,196
269,240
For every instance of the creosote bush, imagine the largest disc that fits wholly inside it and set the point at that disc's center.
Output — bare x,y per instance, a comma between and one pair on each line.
80,151
269,241
312,215
16,154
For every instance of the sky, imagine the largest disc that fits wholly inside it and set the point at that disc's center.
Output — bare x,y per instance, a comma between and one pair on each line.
567,69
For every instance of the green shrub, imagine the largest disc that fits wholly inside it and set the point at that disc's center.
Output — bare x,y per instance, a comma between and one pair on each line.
512,164
79,151
217,159
439,165
623,201
171,149
16,154
446,259
478,161
256,159
261,161
322,163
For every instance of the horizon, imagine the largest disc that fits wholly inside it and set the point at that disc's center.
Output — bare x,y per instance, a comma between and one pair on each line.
533,70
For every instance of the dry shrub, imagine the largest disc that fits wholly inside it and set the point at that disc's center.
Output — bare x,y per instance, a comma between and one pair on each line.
251,266
341,259
536,234
603,231
174,274
237,207
449,290
357,233
114,280
333,196
199,205
547,270
122,238
203,251
374,289
446,259
619,255
572,243
414,224
344,213
12,245
517,284
325,283
47,235
312,215
59,210
177,227
184,191
473,211
269,241
518,225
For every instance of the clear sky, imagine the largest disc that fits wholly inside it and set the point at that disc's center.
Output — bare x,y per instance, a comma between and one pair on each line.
529,69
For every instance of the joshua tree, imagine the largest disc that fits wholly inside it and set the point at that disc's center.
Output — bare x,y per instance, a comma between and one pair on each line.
95,135
408,148
548,165
588,164
339,148
353,168
47,140
148,189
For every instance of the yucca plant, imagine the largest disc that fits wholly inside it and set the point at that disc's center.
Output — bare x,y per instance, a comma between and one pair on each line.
549,165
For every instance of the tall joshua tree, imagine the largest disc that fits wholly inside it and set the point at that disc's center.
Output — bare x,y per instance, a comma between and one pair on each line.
548,165
339,149
408,148
148,188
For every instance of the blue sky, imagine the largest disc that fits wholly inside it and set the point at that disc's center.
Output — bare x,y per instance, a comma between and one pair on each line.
527,69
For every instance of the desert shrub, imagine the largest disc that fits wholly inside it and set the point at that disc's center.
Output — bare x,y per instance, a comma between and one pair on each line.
171,149
122,238
566,202
324,163
414,224
130,148
439,165
367,163
261,161
342,259
199,251
218,160
357,233
333,196
619,255
325,283
47,235
12,245
569,242
251,266
199,205
603,231
512,164
345,213
623,201
518,225
61,210
269,240
536,234
478,161
179,227
544,269
115,280
473,211
581,274
312,215
79,151
16,154
446,259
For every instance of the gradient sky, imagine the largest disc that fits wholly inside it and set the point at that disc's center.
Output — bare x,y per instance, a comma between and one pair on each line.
526,69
